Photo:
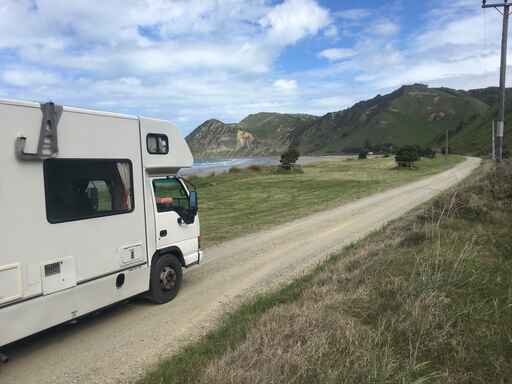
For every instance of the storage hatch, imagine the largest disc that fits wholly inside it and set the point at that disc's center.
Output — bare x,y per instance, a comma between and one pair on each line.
11,287
58,275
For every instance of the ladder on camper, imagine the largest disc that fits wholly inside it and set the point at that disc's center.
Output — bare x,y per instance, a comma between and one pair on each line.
48,146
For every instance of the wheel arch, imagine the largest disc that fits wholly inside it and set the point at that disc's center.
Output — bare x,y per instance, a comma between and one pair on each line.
169,250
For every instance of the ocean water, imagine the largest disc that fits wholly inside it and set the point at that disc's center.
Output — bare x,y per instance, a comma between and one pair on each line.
207,167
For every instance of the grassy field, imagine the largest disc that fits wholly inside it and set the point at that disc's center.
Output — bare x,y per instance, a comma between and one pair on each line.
238,203
428,299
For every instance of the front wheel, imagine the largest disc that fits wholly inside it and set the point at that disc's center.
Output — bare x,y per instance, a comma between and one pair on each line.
166,276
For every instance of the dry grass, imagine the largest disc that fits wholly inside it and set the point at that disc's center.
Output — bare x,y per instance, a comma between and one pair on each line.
235,170
255,168
426,300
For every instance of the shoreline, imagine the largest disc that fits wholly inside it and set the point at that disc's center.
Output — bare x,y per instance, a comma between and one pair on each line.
219,166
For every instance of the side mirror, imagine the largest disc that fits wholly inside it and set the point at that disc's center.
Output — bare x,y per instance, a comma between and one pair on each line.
193,202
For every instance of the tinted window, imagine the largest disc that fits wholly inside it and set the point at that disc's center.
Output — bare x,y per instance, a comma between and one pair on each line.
81,189
157,144
170,195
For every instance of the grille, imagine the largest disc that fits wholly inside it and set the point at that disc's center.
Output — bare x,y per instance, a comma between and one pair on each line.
51,269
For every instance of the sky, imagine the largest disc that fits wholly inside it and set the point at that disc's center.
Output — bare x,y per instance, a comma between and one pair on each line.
191,60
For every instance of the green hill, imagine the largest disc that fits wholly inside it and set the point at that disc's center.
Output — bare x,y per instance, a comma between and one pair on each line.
414,114
410,115
270,126
475,136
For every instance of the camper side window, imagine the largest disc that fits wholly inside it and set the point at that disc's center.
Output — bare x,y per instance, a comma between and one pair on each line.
83,189
170,195
157,144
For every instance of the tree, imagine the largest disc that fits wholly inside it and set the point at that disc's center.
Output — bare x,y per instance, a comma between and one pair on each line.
407,156
428,152
289,158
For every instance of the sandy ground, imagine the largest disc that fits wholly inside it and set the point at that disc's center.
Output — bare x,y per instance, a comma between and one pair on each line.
118,344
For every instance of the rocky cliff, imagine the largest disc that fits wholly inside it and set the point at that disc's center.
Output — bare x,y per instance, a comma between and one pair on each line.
257,135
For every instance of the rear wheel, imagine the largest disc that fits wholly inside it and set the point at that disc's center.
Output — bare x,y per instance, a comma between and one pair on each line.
166,276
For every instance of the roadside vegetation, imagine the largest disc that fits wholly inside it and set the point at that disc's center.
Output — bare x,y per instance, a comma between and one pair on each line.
428,299
246,200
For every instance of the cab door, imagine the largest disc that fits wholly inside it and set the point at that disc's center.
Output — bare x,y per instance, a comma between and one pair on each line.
172,201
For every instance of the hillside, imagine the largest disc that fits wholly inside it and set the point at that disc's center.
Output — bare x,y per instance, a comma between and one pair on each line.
414,114
410,115
258,134
474,137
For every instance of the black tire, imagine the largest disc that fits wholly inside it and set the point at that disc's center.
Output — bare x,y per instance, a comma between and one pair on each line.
166,277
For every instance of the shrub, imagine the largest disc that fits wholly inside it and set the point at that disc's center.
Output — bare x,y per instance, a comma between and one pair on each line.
363,155
255,168
407,156
428,152
289,158
235,170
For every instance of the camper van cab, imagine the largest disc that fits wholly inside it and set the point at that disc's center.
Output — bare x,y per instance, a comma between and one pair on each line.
91,213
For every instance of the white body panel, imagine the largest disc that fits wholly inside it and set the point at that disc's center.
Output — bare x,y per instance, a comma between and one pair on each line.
28,317
82,258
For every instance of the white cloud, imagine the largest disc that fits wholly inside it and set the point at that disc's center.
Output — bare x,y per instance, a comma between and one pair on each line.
335,54
353,14
189,60
454,48
28,77
285,85
157,36
384,28
464,31
331,32
186,60
335,103
293,20
136,34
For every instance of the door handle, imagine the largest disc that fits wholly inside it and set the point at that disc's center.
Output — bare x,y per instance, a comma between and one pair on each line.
163,233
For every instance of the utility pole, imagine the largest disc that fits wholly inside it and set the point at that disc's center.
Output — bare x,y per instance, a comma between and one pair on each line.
447,143
503,70
493,149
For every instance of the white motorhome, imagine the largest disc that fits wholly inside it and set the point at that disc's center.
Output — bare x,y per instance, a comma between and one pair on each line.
91,213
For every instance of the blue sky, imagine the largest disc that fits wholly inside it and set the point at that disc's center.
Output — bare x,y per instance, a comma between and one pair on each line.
191,60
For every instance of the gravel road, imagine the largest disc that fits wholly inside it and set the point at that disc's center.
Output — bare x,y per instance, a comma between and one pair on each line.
118,344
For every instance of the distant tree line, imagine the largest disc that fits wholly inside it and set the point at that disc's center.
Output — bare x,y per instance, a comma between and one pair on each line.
405,156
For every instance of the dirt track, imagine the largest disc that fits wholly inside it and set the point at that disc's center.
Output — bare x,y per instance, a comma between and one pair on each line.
116,345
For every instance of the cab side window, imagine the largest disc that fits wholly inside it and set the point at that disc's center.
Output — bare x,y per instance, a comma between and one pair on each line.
170,195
